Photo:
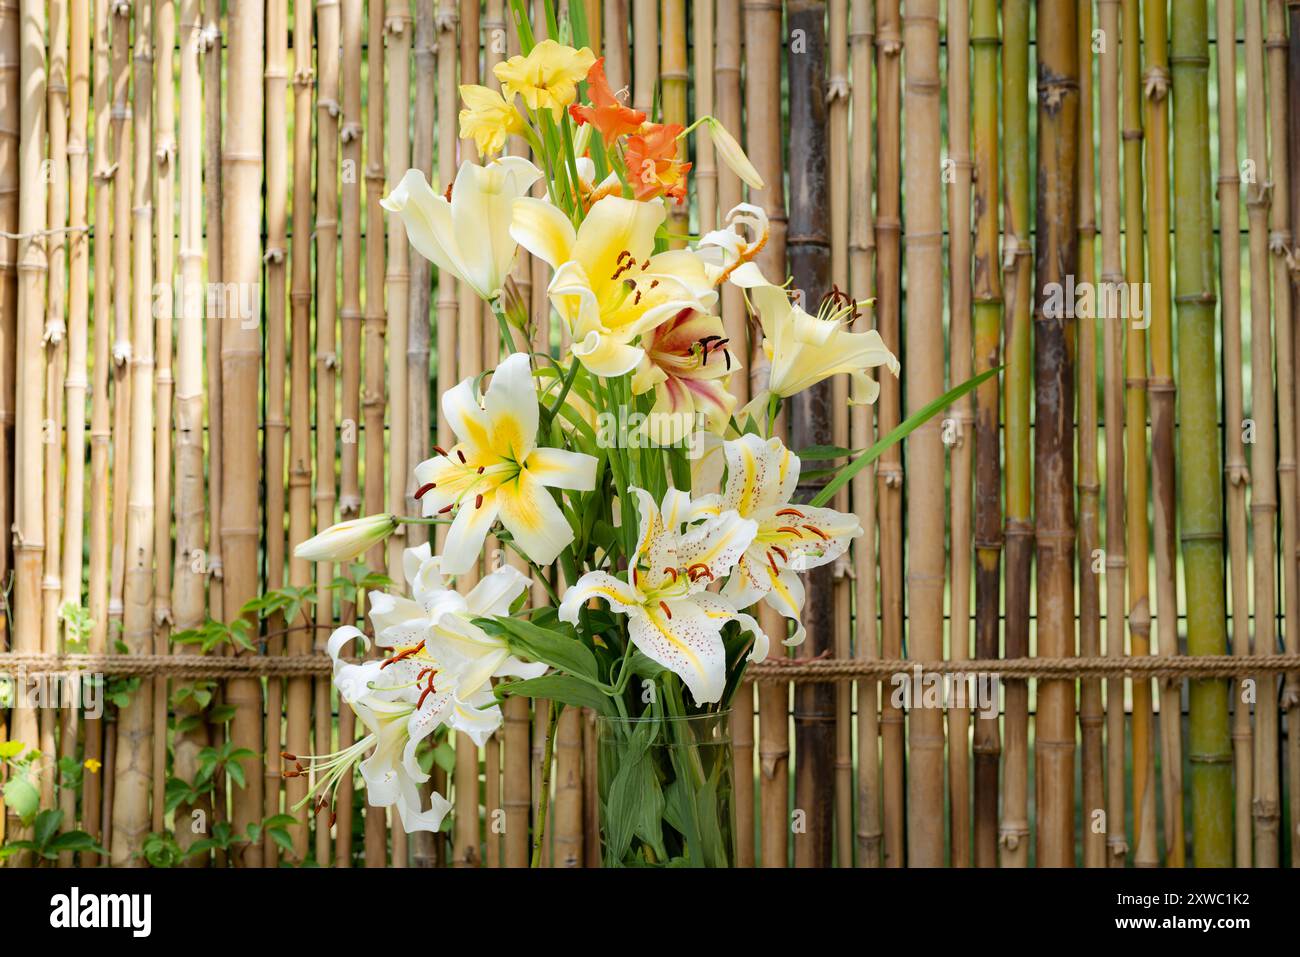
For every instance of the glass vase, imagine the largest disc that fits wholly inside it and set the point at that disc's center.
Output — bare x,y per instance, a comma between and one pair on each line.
666,791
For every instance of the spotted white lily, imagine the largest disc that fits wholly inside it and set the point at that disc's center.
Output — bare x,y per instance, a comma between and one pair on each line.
729,252
497,470
682,547
468,235
608,287
803,350
761,477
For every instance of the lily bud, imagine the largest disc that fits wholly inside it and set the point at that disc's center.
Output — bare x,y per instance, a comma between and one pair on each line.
731,153
347,540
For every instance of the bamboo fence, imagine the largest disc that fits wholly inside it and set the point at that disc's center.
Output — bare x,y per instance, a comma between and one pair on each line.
213,343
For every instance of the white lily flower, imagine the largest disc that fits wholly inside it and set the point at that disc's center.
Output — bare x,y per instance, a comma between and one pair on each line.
468,235
347,540
803,350
608,286
497,470
761,477
729,252
682,547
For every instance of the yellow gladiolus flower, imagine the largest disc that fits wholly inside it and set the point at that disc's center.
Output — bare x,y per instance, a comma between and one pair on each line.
548,77
489,118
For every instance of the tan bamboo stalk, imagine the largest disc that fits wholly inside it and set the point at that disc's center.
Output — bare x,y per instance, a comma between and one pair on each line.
1263,508
615,43
213,193
326,230
837,97
674,83
763,98
492,797
645,55
1291,697
164,378
1089,488
349,237
591,790
1161,389
448,107
1112,276
56,350
1014,827
122,302
1238,475
705,170
1056,257
97,574
959,254
299,693
1199,462
374,400
8,276
862,249
923,379
277,199
133,773
75,382
567,848
29,405
189,579
1136,549
987,295
241,356
1279,225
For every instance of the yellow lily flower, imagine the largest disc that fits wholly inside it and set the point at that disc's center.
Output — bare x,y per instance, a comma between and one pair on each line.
682,547
548,77
761,477
497,471
803,350
608,288
468,235
489,118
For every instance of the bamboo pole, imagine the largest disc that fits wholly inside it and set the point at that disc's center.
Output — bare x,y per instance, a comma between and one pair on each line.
9,109
240,365
133,773
923,379
645,56
1013,832
811,419
189,580
567,807
374,399
1292,695
960,345
1089,488
987,296
349,237
674,84
1135,414
762,27
75,382
1263,508
213,193
730,192
1229,195
862,250
889,471
277,199
97,573
837,98
1160,386
55,345
1112,278
326,231
705,170
616,67
1200,466
447,22
1279,227
1056,258
29,405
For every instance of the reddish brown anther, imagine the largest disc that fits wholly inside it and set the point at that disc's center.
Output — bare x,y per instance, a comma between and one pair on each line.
664,606
817,531
425,489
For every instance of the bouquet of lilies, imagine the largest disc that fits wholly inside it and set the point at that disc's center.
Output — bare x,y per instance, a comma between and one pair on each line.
652,511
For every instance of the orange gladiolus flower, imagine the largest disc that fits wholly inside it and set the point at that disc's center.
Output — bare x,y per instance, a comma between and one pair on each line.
606,113
652,164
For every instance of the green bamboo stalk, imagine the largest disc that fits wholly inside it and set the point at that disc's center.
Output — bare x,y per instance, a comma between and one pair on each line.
1199,461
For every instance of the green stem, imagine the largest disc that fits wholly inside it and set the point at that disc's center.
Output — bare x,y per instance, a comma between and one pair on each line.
544,800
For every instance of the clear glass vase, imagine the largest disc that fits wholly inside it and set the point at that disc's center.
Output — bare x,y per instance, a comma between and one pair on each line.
666,791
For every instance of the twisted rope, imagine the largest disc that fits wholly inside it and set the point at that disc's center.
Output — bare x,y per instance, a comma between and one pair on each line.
773,670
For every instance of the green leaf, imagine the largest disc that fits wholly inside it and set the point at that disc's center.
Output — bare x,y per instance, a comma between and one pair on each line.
561,651
47,825
817,453
899,432
564,688
11,749
22,798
